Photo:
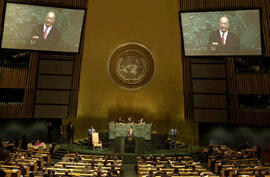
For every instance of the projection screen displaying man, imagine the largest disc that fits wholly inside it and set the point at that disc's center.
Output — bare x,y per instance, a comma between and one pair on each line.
46,36
42,28
221,32
223,40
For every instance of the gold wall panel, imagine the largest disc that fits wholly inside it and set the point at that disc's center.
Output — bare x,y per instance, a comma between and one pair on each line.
155,24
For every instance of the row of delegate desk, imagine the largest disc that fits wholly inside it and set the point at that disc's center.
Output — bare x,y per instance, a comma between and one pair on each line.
23,162
185,165
237,165
84,167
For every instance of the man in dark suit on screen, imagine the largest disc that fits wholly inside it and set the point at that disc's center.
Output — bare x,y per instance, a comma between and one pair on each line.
46,36
223,41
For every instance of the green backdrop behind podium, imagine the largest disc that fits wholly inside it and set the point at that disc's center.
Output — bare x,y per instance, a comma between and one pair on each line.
140,130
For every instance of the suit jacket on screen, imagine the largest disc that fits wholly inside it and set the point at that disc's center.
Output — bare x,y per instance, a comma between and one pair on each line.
215,42
50,43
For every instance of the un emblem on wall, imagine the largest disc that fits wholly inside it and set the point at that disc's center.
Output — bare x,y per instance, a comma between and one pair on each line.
131,65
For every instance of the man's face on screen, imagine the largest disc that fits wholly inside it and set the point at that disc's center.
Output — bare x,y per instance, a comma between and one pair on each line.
224,24
50,19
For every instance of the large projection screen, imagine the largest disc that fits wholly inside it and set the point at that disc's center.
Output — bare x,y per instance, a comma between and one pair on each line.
33,27
222,33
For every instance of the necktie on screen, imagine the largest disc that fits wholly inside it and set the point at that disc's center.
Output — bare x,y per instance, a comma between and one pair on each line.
223,39
45,33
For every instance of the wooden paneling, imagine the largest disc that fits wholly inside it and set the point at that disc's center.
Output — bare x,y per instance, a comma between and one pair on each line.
209,86
253,83
265,25
210,115
52,97
188,89
246,84
208,60
29,95
75,87
20,78
51,111
13,77
232,96
55,73
208,71
11,110
53,56
230,71
254,117
209,101
55,67
54,82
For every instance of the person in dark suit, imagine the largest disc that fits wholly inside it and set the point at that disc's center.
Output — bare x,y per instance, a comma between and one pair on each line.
130,141
4,155
120,120
113,171
173,134
130,120
259,174
141,121
16,143
164,174
89,132
1,144
223,40
2,173
130,133
24,142
70,133
158,172
46,36
175,172
150,174
50,132
61,133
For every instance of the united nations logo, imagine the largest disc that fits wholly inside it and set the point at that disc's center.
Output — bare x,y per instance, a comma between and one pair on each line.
131,65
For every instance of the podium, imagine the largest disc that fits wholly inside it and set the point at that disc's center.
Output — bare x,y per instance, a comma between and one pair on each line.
123,144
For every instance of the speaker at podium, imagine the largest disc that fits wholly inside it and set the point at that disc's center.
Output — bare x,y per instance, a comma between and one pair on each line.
123,144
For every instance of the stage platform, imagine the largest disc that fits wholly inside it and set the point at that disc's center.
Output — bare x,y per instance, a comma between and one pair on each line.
81,147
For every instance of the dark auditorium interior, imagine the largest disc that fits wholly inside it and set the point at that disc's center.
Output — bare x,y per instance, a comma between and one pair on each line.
120,94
